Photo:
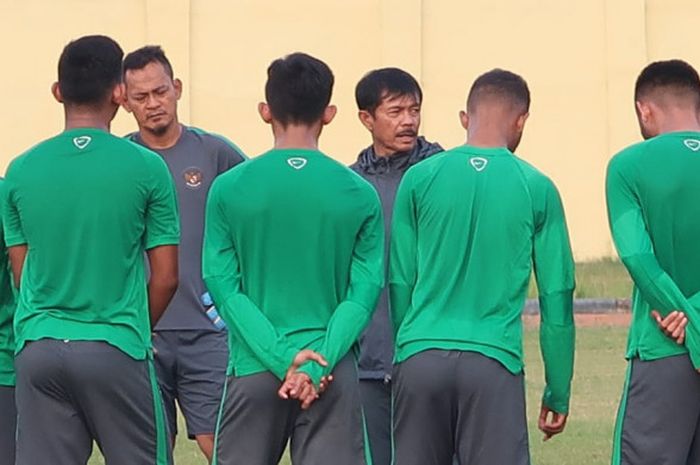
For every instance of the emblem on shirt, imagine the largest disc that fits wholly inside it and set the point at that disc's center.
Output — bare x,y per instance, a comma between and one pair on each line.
82,141
193,177
692,144
478,163
296,162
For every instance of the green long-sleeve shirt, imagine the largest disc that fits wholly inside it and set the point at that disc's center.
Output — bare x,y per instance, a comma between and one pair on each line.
293,252
468,225
653,197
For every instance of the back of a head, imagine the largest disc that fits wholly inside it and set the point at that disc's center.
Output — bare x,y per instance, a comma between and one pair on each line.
138,59
298,89
669,82
383,83
499,87
88,70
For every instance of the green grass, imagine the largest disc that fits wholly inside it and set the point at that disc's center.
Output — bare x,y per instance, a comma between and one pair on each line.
605,278
599,375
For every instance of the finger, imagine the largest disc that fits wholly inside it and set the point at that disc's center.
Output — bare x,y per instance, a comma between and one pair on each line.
681,338
283,391
656,315
304,392
675,322
680,329
318,358
296,386
542,421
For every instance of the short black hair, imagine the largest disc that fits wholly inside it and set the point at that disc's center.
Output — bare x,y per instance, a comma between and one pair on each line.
138,59
503,84
673,75
383,83
88,70
298,89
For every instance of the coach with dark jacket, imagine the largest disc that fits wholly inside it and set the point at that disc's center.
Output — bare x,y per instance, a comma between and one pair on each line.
389,102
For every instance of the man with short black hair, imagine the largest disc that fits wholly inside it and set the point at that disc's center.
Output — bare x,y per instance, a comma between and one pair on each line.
191,353
293,252
80,210
389,102
652,194
468,225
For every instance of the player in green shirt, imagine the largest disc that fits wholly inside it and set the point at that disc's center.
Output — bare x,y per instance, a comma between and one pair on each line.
468,226
80,209
8,418
293,252
652,194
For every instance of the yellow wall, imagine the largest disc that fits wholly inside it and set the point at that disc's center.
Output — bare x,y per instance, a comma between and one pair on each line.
579,57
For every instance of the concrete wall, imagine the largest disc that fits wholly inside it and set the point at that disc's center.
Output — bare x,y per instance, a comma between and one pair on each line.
580,58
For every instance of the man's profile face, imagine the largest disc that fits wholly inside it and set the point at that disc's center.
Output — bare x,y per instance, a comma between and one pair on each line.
151,95
394,124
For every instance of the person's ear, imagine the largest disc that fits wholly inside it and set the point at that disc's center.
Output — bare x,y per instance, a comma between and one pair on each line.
265,113
119,94
56,92
367,119
520,122
177,84
644,112
329,113
464,119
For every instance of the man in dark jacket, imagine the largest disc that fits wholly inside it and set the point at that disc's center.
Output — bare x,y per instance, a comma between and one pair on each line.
389,102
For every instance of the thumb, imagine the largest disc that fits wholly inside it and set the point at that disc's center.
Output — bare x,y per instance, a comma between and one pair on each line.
318,358
656,315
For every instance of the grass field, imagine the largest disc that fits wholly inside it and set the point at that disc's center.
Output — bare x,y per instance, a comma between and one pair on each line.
597,385
605,278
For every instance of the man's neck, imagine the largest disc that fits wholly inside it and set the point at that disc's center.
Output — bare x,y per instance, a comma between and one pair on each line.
679,122
296,137
86,119
487,140
162,141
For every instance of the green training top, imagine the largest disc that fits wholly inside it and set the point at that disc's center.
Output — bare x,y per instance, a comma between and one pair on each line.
468,225
293,247
653,196
87,204
7,310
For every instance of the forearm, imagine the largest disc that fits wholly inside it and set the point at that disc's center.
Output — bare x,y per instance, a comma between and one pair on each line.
17,255
160,292
557,342
344,328
247,321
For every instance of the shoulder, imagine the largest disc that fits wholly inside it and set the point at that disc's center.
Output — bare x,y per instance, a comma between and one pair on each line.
217,143
627,156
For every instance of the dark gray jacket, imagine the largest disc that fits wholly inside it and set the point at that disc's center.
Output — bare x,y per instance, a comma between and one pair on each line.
385,173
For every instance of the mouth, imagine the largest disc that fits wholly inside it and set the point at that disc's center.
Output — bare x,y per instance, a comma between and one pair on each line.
156,115
406,135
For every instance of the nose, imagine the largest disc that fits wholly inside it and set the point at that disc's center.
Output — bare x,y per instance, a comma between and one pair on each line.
151,101
409,119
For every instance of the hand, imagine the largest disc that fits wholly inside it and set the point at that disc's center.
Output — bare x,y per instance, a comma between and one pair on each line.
325,382
673,325
304,356
298,386
551,425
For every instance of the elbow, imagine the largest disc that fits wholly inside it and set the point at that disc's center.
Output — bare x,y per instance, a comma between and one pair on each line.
171,283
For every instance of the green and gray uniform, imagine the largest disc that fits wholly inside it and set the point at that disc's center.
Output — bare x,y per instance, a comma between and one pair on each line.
468,226
191,354
8,418
293,253
87,204
654,214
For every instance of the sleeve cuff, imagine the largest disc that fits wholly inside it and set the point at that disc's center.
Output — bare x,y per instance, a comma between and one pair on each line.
162,240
